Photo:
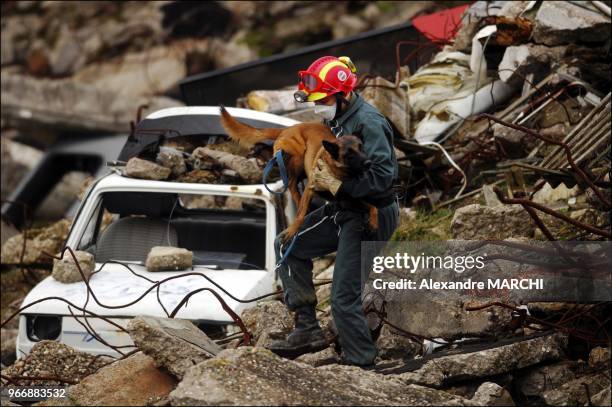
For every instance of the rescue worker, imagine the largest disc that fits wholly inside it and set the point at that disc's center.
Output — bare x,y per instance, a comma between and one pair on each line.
336,227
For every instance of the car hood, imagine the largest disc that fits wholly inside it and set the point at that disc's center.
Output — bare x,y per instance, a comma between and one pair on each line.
115,286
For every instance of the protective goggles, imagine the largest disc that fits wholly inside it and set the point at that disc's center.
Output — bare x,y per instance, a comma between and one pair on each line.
312,83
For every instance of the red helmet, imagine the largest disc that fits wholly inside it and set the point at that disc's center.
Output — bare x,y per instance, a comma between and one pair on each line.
327,76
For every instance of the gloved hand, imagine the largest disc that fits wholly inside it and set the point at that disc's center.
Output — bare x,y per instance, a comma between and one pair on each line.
323,179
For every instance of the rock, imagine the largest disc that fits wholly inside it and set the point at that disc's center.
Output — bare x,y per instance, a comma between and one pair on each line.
174,344
574,393
48,239
268,320
172,159
8,343
491,394
599,357
442,315
134,381
144,169
602,398
478,222
349,25
152,72
392,345
54,359
321,358
446,369
548,195
230,53
248,169
561,22
537,380
255,376
66,270
17,160
69,105
392,103
162,258
490,197
273,101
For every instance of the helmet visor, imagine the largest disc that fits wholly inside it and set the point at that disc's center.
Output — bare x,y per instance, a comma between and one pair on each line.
309,82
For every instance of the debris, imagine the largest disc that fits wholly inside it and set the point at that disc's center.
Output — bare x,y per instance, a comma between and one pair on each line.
48,239
8,343
490,197
51,359
134,381
522,60
537,380
69,105
174,344
563,22
267,320
599,357
256,376
390,101
602,398
247,168
325,357
491,394
548,195
173,159
274,101
392,345
167,258
144,169
447,369
66,270
17,160
573,393
478,222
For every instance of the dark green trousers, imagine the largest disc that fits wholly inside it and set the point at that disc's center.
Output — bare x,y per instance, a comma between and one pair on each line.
324,231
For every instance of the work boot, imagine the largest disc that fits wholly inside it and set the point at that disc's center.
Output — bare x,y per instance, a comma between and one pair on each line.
307,337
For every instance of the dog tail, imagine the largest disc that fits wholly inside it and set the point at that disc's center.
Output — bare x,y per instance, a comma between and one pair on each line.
243,133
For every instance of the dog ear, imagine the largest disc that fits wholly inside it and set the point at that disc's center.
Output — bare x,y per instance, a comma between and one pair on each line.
332,148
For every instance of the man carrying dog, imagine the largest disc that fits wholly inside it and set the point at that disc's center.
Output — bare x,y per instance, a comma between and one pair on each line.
329,83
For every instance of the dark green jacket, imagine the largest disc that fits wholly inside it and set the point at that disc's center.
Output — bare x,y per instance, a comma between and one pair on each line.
363,119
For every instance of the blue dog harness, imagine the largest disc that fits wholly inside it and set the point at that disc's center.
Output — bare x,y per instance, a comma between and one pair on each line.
278,159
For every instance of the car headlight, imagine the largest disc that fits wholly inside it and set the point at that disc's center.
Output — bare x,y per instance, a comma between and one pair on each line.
41,327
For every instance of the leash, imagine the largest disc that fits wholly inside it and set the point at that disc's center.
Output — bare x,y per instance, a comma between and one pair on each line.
278,159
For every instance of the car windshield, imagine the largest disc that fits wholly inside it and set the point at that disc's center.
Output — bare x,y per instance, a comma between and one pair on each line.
221,231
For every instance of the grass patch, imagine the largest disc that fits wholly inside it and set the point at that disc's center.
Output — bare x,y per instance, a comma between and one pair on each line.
424,226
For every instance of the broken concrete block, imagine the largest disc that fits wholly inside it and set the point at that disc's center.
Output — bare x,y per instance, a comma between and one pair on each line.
562,22
479,222
491,394
573,392
166,258
255,376
443,370
144,169
8,348
175,344
248,169
266,317
274,101
599,357
48,239
537,380
173,159
490,197
392,345
66,271
133,381
392,103
321,358
520,61
548,195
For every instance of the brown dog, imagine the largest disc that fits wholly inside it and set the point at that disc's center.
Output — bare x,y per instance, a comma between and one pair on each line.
305,144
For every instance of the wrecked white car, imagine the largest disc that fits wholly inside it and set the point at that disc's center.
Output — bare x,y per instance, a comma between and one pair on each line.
121,219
